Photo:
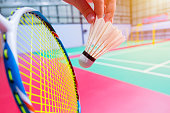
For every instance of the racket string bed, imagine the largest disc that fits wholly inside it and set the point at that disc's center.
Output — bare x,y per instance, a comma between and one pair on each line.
47,66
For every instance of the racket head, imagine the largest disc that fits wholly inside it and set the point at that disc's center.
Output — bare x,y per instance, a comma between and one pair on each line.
51,96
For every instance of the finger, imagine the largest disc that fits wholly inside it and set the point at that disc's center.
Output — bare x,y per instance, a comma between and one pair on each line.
99,8
89,1
84,8
109,10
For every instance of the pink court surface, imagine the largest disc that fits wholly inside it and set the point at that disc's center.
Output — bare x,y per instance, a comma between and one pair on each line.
99,94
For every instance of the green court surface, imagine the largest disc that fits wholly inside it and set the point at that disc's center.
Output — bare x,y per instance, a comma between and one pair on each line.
78,50
146,66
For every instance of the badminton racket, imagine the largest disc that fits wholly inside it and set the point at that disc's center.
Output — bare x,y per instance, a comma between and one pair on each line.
39,72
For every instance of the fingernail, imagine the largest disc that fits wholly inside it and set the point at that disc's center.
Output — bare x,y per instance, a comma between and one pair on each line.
90,18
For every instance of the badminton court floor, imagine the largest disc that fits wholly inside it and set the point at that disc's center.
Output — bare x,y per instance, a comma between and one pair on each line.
130,80
146,66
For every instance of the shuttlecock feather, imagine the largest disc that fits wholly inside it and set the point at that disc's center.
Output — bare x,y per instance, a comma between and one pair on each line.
103,36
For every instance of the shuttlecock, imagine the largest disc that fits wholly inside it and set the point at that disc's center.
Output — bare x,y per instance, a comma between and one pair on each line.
103,36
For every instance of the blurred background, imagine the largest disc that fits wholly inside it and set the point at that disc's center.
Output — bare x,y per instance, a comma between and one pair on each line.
139,20
133,76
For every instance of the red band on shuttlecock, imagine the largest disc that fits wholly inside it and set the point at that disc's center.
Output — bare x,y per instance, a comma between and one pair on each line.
88,56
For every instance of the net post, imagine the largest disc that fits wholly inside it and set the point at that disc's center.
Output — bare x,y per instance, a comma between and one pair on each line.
127,35
131,36
139,32
153,34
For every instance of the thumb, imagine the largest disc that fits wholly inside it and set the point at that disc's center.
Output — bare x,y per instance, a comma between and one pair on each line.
84,8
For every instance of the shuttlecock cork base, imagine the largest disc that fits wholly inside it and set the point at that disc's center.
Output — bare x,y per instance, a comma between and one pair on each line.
85,60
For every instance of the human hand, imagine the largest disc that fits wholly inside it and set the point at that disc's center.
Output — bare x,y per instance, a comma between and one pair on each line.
102,8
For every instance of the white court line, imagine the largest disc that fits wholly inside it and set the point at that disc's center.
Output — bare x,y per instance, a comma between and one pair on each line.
124,52
74,53
157,66
134,49
120,52
132,62
131,69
